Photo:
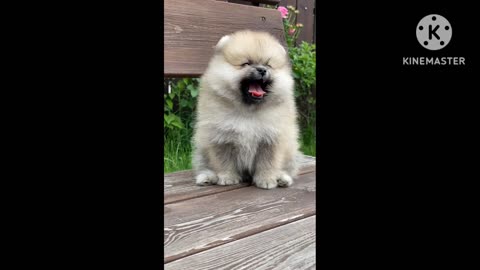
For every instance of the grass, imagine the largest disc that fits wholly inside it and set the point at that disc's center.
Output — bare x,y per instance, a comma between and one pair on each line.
178,148
308,141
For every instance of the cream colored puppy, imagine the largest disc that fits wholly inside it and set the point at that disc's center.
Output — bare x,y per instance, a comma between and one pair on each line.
246,125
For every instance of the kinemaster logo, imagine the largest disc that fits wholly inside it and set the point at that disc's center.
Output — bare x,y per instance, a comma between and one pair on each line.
434,32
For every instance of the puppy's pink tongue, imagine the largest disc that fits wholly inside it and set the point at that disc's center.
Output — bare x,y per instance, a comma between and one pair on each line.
256,90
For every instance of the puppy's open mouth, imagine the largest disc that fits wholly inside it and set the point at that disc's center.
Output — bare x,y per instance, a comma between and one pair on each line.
254,91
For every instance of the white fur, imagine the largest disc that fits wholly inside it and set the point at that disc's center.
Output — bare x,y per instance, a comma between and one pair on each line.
223,118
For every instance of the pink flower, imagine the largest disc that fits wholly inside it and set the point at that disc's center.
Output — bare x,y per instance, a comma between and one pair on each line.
283,10
291,31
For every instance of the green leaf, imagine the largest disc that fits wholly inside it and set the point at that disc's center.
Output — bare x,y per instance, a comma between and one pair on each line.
193,90
168,118
178,124
194,93
169,103
184,103
180,85
177,121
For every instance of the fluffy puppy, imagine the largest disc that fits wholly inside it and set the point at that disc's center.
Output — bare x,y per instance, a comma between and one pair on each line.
246,127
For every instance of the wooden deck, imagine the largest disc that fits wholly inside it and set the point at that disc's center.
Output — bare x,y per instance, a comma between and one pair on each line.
241,226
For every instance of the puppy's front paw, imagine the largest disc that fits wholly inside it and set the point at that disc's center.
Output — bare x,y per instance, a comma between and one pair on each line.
205,178
226,179
285,180
266,182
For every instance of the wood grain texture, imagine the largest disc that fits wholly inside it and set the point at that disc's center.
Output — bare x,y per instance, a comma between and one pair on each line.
286,3
306,181
268,2
191,33
306,164
291,246
314,25
181,186
306,17
199,224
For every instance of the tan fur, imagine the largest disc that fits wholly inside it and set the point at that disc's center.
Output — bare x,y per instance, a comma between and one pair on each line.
232,137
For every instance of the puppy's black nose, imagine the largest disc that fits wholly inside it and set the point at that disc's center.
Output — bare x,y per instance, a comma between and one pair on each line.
261,70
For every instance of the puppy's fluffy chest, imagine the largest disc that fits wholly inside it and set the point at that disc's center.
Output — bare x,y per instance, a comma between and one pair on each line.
246,137
245,131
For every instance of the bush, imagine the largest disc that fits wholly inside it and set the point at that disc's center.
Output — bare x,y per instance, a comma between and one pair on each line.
303,59
304,73
179,103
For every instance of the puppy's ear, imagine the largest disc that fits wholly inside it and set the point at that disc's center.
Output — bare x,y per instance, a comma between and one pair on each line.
221,43
283,49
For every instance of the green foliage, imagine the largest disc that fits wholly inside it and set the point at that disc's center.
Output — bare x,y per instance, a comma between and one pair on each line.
292,29
308,141
304,68
179,109
303,59
303,64
177,150
180,101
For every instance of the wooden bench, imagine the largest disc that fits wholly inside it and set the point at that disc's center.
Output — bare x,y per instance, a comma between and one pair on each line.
193,27
240,226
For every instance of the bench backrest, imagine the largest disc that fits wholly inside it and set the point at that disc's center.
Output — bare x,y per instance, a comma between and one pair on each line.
193,27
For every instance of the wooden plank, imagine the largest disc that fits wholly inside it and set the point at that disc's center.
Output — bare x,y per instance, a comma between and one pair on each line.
267,2
241,2
305,181
306,164
202,223
314,25
286,3
306,17
181,186
192,28
291,246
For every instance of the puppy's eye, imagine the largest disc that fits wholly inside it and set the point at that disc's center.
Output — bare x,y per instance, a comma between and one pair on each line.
245,64
268,65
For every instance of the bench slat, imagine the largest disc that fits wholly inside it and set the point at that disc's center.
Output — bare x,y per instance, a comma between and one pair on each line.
181,186
192,28
268,2
291,246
